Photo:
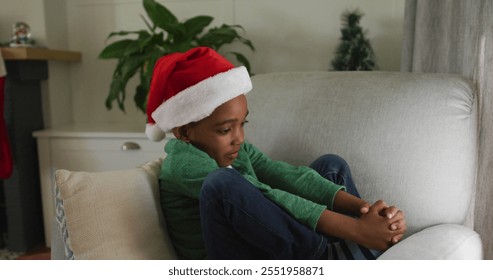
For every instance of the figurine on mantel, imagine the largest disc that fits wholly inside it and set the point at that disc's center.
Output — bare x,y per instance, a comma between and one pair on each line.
21,35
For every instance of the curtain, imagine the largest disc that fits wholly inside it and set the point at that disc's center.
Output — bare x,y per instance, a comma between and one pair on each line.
456,36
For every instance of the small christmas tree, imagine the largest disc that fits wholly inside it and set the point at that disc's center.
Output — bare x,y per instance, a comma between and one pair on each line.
354,52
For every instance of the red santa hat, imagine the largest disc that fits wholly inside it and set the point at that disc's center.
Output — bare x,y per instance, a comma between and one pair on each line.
188,87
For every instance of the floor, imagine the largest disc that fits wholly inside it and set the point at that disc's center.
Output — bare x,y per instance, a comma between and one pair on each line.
41,253
8,255
36,254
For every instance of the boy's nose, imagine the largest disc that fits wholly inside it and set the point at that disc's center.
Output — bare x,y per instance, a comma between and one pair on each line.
239,137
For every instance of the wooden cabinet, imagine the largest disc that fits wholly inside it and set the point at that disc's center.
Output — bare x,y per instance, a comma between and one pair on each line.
90,148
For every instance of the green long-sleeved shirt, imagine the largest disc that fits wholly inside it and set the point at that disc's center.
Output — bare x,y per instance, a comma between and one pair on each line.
300,191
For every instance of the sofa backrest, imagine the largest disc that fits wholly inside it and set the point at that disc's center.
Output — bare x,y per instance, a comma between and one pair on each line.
411,139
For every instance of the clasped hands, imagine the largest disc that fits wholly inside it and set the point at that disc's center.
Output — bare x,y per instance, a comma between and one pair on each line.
382,225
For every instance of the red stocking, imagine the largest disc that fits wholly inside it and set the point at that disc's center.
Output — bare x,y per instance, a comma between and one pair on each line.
5,154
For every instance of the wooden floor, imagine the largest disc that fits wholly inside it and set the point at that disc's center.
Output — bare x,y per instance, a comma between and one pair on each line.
36,254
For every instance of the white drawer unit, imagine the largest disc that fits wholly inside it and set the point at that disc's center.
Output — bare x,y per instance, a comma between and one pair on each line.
89,148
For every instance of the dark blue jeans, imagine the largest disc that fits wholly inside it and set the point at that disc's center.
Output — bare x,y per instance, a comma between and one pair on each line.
238,222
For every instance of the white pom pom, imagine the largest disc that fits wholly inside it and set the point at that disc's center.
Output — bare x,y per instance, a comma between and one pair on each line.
154,133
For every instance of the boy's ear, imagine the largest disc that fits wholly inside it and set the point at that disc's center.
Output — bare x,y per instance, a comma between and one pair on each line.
181,133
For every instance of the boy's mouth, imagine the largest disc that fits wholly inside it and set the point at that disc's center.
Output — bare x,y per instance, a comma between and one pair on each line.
233,155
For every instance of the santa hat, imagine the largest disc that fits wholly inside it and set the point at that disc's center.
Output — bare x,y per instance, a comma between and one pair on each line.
188,87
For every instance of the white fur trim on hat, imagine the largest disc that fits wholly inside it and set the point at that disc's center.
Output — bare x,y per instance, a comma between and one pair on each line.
154,133
200,100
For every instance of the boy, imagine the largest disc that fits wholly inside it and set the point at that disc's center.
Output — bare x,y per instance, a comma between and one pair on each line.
224,199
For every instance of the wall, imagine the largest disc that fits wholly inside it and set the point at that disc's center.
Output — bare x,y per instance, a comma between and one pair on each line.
289,35
47,20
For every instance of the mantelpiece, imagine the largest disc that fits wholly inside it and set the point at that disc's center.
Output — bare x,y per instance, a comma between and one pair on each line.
35,53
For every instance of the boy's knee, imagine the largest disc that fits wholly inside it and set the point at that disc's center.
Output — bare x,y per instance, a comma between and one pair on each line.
219,180
332,160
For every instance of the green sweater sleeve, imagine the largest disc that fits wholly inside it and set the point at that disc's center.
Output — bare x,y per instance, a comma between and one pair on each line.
299,190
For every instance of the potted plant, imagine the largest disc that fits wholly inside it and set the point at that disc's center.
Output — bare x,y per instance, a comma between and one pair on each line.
165,35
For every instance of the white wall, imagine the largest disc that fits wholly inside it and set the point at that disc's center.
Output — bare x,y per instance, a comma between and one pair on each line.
47,20
12,11
289,35
303,35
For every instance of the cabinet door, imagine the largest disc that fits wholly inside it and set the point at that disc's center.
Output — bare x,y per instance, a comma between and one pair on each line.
92,155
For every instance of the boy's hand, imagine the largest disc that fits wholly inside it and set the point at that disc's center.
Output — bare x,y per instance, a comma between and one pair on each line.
392,213
378,231
364,208
398,221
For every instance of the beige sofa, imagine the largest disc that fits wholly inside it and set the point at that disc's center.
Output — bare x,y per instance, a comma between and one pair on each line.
410,139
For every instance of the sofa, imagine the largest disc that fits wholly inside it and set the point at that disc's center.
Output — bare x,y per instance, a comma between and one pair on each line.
410,139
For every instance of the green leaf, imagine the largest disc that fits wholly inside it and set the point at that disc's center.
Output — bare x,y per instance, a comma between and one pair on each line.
140,44
218,36
177,30
149,67
242,59
247,42
117,88
135,48
115,49
242,39
159,15
182,46
155,40
226,34
140,97
196,25
131,64
125,69
163,18
151,28
122,33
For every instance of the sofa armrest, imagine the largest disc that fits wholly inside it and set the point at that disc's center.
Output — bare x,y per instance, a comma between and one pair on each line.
440,242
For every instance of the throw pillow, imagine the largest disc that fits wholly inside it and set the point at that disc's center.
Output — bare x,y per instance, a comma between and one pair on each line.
112,215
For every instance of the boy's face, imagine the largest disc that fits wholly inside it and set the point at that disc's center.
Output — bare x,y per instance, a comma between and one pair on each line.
221,134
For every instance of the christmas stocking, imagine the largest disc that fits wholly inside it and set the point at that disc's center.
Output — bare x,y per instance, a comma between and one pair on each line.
5,154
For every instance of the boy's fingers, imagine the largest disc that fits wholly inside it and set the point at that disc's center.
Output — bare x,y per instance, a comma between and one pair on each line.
399,225
398,217
391,212
379,206
396,239
365,208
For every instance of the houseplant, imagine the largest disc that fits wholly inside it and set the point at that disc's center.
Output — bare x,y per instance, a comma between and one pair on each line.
354,52
165,34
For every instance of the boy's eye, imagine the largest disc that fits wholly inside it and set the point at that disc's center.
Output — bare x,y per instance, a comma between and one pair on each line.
224,131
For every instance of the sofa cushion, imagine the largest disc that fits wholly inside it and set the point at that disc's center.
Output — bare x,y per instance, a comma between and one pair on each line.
112,215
